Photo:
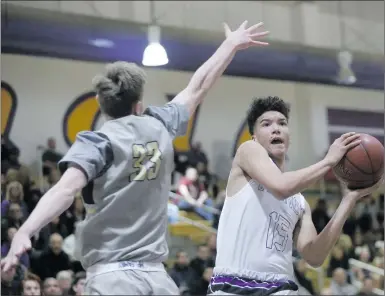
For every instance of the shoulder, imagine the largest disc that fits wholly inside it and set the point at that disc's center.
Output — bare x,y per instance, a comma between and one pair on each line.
247,147
247,150
92,137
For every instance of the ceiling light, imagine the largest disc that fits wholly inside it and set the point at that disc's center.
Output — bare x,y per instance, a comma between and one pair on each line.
102,43
154,54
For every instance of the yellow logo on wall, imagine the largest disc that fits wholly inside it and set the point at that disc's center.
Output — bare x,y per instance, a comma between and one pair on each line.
243,135
81,115
8,108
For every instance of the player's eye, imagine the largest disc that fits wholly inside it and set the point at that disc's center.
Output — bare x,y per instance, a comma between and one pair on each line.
284,123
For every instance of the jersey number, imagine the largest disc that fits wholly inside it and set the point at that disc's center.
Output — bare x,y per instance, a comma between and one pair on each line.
277,234
147,160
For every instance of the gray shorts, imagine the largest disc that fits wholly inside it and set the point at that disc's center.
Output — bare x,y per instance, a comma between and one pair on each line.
129,278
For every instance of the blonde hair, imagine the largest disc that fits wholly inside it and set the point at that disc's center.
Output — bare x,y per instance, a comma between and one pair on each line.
345,242
10,186
12,175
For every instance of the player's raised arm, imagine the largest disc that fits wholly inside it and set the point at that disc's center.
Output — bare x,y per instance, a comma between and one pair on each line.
205,77
88,157
254,160
315,248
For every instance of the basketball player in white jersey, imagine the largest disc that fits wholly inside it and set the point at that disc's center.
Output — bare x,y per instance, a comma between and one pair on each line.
264,214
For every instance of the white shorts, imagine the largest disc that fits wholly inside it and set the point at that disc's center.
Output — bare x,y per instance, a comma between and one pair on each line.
129,278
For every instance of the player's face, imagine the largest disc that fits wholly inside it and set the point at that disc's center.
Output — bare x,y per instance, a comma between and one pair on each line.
272,132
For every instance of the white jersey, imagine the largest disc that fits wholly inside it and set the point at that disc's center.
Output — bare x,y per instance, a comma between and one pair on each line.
255,234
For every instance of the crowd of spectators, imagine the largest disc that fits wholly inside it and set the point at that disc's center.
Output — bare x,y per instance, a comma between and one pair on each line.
51,267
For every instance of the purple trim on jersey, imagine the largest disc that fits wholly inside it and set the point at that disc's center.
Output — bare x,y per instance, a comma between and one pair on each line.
236,281
245,286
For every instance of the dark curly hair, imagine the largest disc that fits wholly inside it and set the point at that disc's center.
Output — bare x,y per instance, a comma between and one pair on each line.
262,105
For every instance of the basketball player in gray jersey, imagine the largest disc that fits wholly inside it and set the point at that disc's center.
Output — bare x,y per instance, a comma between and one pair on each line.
124,171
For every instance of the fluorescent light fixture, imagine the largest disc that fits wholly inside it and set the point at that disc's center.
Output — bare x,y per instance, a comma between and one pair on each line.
105,43
154,54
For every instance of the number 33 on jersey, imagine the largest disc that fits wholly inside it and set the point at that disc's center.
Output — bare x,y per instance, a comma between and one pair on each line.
147,159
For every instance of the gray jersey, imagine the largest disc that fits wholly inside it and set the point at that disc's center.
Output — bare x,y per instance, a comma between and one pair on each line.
128,163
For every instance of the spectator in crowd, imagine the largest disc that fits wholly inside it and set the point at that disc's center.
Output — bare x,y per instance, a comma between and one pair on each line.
7,287
9,155
199,285
50,157
204,175
194,194
181,271
338,260
11,280
196,155
212,245
52,260
339,284
320,215
367,287
76,213
56,226
64,280
201,262
350,226
78,284
3,186
15,194
326,292
14,218
24,259
304,282
51,287
31,285
380,221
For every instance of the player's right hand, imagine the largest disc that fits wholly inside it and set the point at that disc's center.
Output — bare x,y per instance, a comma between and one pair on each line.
340,146
244,37
20,244
357,194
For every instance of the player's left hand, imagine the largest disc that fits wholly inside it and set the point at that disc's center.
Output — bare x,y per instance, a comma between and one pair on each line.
20,244
357,194
244,36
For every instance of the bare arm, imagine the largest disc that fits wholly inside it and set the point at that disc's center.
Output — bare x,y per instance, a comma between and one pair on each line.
186,194
205,77
58,199
254,160
315,248
202,197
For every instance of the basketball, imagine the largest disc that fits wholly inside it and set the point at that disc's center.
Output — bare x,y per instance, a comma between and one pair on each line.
362,166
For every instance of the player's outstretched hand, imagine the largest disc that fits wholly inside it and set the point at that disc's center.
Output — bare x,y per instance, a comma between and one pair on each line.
244,36
340,146
357,194
20,244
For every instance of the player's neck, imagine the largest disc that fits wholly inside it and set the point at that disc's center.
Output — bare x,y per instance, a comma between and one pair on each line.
280,163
